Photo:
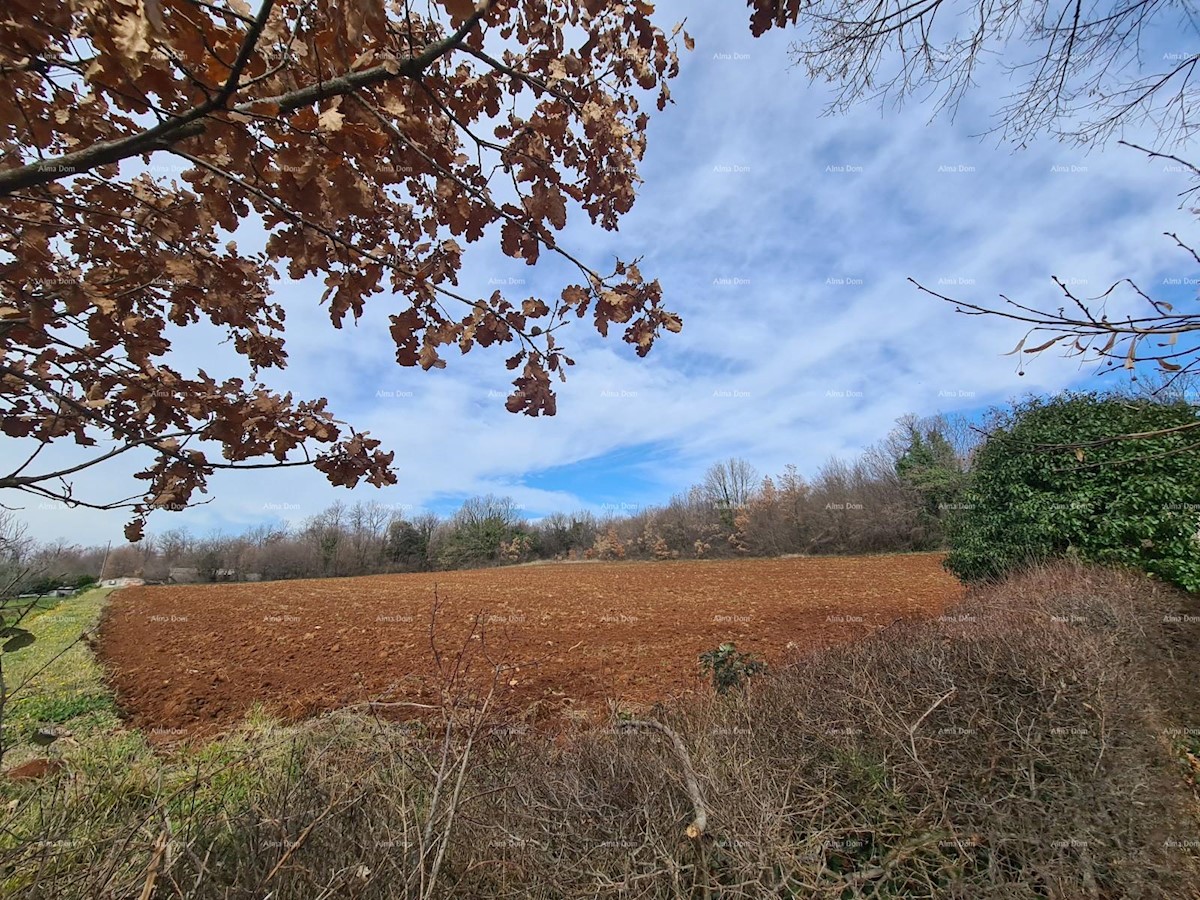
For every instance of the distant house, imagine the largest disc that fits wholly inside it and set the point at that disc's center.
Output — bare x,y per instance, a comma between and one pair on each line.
183,575
123,582
64,590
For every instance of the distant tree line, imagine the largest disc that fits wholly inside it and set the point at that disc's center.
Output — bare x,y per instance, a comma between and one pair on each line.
895,497
1047,477
29,567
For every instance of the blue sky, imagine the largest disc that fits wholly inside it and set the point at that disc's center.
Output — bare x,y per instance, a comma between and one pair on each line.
784,238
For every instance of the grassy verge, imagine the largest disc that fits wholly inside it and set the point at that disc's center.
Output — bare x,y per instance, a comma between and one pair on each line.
55,683
85,823
1028,744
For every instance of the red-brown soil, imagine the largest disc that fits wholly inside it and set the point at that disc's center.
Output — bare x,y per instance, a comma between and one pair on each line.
192,659
35,769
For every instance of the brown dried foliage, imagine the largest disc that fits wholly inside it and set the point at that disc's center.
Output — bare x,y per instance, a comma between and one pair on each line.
372,142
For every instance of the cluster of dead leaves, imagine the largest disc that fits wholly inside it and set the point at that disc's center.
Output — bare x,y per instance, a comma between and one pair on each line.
371,143
768,14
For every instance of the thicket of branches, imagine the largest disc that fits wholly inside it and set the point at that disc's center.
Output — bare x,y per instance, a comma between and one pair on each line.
27,564
1081,72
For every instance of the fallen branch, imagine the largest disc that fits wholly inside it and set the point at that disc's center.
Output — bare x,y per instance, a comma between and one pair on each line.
912,729
700,822
155,867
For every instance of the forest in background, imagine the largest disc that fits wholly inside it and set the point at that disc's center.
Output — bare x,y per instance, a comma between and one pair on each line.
893,497
919,488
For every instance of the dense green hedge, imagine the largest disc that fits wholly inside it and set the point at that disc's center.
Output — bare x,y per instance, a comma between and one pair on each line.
1133,502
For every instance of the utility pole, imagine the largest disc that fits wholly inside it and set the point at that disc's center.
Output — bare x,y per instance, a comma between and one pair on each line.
104,565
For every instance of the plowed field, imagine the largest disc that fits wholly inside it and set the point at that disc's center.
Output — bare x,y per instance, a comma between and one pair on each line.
192,659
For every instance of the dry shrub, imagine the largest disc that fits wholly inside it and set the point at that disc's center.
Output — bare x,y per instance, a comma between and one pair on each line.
1024,745
1017,747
